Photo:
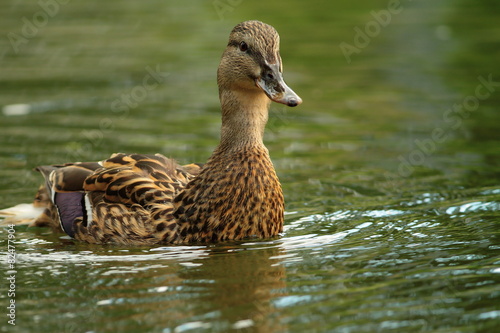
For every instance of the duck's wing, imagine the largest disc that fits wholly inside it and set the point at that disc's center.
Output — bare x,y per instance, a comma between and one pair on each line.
62,178
126,199
42,212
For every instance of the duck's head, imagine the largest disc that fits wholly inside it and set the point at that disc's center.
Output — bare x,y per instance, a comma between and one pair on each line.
252,63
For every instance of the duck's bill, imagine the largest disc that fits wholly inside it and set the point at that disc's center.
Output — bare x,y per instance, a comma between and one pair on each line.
272,83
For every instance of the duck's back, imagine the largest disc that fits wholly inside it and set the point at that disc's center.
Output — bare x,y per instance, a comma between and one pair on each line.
126,199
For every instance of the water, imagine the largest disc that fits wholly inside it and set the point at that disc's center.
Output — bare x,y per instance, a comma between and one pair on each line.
392,199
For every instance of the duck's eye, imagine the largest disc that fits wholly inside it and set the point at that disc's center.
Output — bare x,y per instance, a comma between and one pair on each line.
243,47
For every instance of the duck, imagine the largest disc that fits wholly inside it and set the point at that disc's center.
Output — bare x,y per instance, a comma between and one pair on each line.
140,199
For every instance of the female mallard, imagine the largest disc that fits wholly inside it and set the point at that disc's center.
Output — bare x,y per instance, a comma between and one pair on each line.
150,199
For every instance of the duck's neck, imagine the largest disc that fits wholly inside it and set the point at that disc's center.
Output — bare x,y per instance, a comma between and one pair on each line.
237,193
244,117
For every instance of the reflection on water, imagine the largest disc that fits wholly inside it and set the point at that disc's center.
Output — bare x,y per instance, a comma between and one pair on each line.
370,244
176,288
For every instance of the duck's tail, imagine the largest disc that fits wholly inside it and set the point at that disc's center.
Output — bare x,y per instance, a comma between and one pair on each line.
22,214
40,213
57,203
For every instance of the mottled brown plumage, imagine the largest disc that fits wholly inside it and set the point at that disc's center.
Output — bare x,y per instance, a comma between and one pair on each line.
150,199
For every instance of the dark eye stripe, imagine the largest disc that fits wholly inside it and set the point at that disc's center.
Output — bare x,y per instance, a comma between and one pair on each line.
237,45
259,58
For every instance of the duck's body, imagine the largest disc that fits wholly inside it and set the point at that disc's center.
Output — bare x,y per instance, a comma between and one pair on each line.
150,199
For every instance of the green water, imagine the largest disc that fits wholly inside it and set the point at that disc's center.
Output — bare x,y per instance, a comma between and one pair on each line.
392,195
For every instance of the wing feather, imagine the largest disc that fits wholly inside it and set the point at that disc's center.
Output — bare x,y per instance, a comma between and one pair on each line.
130,196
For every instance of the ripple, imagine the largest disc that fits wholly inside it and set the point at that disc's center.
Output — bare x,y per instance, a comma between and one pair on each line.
244,323
475,206
130,270
180,253
192,326
489,192
287,301
490,315
311,240
383,213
